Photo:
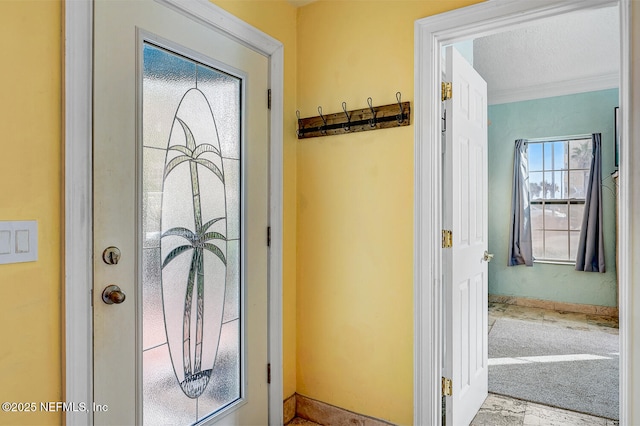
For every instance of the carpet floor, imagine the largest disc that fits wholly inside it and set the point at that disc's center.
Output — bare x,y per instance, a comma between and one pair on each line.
562,367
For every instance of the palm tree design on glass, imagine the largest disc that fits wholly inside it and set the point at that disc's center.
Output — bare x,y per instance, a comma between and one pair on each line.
197,242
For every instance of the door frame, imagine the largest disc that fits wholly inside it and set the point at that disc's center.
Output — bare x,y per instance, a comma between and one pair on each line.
430,35
78,209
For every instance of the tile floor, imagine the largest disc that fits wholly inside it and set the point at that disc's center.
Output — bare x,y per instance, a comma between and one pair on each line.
501,410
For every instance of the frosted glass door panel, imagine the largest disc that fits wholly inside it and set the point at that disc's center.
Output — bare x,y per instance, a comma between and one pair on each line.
192,282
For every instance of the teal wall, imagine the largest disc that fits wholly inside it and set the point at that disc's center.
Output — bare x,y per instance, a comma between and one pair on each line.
583,113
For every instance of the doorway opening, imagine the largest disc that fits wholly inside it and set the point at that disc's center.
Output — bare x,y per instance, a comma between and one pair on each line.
431,35
543,87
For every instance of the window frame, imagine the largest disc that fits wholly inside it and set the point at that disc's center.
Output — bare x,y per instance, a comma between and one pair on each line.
568,201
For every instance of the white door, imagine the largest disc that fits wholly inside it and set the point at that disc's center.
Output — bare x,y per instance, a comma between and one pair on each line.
465,214
181,197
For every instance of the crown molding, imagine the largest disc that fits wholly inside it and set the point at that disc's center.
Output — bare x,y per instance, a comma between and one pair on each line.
556,88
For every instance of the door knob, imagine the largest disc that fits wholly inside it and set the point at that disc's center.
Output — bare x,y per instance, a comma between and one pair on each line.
487,256
112,294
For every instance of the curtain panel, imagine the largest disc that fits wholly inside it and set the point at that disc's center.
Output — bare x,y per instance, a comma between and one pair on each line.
590,256
520,245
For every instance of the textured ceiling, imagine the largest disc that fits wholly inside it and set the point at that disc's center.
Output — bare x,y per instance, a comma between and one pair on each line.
570,51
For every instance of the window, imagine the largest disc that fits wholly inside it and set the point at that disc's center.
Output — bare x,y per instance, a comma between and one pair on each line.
558,178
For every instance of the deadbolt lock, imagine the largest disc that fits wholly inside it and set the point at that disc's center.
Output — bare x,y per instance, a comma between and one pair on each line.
111,255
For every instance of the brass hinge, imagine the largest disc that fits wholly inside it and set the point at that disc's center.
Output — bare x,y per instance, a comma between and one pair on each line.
268,373
447,239
269,99
447,387
447,90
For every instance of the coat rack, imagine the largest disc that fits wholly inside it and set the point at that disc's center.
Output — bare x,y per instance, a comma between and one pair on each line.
359,120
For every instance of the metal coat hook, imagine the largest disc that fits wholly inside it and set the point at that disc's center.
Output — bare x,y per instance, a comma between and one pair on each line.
347,126
396,114
372,121
400,116
323,129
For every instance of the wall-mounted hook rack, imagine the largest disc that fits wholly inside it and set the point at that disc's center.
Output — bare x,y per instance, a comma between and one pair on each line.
359,120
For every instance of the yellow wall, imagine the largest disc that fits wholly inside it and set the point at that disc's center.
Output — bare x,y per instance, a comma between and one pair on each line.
278,19
355,209
30,189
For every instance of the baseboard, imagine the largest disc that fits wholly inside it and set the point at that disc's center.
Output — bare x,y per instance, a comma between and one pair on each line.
609,311
326,414
289,408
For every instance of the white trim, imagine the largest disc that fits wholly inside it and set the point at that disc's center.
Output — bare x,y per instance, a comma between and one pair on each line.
557,88
427,291
276,197
430,35
78,192
78,208
559,138
226,23
628,222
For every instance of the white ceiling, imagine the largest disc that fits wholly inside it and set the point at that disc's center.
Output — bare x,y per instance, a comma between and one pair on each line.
561,55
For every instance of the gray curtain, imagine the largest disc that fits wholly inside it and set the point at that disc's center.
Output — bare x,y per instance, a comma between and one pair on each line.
520,247
590,256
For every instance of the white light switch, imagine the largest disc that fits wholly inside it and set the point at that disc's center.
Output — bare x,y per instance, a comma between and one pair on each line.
18,241
22,241
5,242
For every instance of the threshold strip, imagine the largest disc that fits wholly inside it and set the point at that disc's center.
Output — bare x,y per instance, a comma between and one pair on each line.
546,358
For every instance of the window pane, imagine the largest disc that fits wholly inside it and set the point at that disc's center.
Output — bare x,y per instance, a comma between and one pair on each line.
534,151
580,151
578,181
564,185
555,217
537,238
556,245
574,239
547,151
576,212
536,217
553,185
535,185
560,160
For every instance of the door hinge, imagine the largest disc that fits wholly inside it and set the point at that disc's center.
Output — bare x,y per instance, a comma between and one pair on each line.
447,239
268,236
447,90
269,373
447,387
269,98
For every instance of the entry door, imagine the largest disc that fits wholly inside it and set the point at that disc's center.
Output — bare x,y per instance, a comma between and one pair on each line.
180,202
465,214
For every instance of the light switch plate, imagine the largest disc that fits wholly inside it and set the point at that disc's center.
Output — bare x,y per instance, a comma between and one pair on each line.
18,241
